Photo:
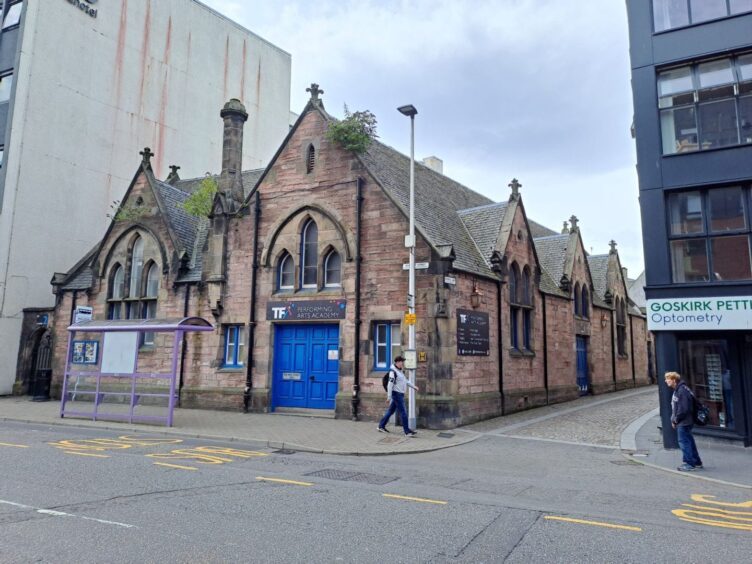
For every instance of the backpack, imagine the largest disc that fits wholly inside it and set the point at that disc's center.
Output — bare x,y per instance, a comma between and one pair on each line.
385,380
701,413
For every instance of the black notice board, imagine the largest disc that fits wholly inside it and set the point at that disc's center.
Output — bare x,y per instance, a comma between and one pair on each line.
472,333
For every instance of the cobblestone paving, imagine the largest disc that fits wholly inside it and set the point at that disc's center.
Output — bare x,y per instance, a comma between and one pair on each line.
597,420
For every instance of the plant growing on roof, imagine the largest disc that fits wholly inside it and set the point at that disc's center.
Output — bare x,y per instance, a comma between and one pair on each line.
199,203
354,133
129,211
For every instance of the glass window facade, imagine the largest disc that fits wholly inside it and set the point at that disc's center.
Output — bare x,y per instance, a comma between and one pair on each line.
707,105
709,233
670,14
704,365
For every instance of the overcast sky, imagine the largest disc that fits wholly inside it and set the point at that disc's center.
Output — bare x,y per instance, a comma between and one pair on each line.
533,89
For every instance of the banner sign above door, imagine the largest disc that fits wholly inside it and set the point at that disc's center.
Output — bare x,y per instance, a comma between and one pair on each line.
316,310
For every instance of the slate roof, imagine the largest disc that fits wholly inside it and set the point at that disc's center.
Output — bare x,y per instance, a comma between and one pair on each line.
552,252
483,223
599,273
438,198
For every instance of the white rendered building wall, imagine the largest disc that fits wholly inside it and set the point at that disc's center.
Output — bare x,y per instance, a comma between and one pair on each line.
90,94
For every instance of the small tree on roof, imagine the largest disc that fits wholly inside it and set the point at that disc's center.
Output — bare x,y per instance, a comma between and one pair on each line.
354,133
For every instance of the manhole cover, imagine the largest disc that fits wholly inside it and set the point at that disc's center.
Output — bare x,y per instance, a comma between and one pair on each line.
332,474
389,440
445,435
284,451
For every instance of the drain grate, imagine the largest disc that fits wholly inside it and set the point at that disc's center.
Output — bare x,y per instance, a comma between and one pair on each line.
445,435
625,462
284,451
332,474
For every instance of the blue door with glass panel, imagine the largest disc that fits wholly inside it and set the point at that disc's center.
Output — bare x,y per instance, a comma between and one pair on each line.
306,366
583,378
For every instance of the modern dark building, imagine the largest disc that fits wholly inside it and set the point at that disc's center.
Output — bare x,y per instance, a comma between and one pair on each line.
692,87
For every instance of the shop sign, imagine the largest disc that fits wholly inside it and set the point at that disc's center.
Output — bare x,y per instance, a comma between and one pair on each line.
317,310
472,333
700,314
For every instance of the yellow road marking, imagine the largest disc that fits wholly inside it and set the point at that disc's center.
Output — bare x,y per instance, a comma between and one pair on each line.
86,454
12,445
743,515
710,500
280,481
422,500
175,466
595,523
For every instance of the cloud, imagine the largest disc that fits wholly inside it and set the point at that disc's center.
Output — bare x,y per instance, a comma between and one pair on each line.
537,89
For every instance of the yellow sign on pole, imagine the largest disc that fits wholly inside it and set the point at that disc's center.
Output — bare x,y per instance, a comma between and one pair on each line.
410,319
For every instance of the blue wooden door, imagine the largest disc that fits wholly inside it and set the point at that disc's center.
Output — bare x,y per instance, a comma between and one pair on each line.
306,373
583,378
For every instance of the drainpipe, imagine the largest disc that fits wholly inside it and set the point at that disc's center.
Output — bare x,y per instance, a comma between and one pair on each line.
356,360
545,347
631,348
252,314
613,350
73,306
183,344
501,345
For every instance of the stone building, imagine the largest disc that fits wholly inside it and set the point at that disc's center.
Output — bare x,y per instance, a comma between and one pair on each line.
300,268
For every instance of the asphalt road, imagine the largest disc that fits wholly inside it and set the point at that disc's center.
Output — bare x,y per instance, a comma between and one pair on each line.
83,495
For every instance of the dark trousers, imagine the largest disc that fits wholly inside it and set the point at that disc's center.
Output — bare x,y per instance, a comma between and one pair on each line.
397,404
687,445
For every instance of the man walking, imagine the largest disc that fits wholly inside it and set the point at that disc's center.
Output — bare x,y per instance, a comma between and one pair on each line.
395,397
683,420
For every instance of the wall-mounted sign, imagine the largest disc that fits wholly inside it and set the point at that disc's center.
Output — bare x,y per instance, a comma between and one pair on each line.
332,354
451,280
418,265
85,6
472,333
422,356
43,319
317,310
700,314
291,375
84,352
82,313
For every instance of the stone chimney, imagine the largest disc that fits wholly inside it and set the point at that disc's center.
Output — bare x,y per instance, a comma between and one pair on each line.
624,273
435,164
230,181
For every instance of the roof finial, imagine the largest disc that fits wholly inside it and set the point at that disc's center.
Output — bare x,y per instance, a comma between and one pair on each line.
573,221
173,176
146,155
612,244
315,91
565,228
515,186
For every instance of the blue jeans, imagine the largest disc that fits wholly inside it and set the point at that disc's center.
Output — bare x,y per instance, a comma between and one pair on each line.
687,445
397,404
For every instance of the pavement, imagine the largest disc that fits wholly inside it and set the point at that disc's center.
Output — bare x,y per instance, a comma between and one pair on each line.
627,421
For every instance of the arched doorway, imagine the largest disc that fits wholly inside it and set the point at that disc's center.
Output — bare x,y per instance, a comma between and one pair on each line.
40,375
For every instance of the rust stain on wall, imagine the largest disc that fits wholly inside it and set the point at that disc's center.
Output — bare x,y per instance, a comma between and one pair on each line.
258,85
120,51
227,59
242,74
163,100
144,56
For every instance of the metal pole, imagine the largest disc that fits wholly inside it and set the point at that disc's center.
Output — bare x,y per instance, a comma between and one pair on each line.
411,287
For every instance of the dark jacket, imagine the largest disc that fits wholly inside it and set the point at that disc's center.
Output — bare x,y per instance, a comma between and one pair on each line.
682,406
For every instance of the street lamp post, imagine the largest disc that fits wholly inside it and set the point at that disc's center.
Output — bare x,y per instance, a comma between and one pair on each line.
410,111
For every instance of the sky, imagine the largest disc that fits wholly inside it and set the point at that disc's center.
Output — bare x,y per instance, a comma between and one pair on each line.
537,90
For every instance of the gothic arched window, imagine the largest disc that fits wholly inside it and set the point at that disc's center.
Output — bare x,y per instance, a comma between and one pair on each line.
309,245
514,306
585,303
577,296
116,292
333,270
286,272
310,159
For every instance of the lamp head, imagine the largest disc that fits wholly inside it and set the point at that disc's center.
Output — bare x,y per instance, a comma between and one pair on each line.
408,110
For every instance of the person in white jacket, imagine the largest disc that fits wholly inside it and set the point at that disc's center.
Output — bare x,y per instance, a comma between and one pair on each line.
395,397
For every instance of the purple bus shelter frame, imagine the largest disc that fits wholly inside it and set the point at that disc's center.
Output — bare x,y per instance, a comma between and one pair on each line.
177,326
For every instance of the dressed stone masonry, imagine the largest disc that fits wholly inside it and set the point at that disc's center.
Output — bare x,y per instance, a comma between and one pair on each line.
321,230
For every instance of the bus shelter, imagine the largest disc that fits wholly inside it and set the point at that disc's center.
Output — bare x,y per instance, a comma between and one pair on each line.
106,359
